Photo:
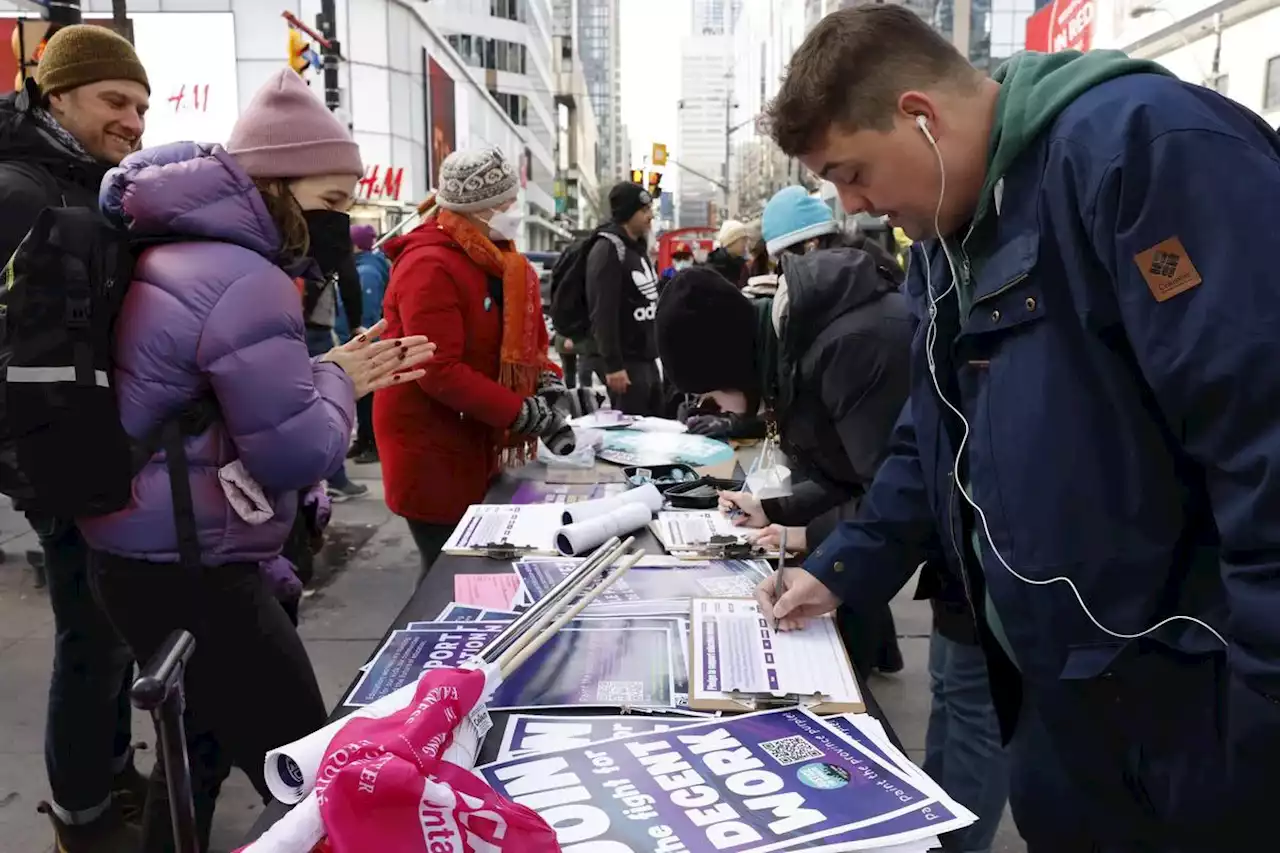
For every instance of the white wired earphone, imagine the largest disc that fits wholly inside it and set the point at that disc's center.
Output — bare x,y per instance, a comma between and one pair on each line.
931,336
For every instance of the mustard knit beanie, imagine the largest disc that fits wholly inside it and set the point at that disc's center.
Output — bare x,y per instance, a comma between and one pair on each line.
86,53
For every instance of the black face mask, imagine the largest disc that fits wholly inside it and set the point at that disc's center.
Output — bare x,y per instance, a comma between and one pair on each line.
330,232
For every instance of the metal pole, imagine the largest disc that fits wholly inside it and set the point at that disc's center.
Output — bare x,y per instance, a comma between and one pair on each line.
1217,48
159,690
728,131
326,23
120,19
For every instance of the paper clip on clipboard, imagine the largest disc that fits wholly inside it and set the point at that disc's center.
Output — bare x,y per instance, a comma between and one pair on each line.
504,551
729,548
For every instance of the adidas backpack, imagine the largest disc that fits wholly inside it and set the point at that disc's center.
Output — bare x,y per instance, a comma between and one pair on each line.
569,312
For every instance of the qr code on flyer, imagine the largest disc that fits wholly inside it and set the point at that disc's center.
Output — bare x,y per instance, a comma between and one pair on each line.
791,750
620,692
732,587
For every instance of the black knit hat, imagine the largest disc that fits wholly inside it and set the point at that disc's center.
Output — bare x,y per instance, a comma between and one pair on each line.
625,199
707,334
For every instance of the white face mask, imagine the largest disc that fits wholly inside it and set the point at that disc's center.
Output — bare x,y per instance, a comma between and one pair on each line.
683,265
505,224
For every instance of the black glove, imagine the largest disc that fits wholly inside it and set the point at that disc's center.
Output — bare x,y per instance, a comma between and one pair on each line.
552,389
712,426
535,416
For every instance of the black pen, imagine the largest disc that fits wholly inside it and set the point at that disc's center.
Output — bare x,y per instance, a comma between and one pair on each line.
778,587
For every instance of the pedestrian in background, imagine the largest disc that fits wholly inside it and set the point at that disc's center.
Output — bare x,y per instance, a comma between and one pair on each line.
81,114
729,258
825,360
485,398
329,230
214,313
374,270
622,295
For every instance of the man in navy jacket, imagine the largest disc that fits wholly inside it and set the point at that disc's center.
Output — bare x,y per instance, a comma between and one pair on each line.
1092,441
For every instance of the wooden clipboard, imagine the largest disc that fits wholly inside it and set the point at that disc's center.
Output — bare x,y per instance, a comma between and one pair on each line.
742,703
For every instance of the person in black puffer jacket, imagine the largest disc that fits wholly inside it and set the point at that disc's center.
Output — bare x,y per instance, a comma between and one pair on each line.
826,360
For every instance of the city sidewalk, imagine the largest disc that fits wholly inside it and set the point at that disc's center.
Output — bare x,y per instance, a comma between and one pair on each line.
363,578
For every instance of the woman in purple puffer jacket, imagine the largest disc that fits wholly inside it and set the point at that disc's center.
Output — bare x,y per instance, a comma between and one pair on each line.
214,312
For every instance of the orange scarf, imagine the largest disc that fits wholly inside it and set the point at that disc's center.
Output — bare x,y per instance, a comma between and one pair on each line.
522,359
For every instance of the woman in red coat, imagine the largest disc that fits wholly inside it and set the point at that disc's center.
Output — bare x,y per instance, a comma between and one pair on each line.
484,400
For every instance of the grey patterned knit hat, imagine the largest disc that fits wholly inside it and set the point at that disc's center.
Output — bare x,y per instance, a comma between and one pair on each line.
476,180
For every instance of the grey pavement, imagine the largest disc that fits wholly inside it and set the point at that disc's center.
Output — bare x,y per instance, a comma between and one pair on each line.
366,574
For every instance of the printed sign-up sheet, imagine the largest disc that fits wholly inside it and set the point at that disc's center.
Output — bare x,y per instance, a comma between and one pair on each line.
736,652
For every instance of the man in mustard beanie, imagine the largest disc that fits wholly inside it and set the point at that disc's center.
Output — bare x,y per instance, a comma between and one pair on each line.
82,114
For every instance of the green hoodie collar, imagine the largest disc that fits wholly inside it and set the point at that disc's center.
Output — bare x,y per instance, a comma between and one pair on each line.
1034,89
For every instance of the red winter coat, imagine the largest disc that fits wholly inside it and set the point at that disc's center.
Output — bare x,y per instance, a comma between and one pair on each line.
440,438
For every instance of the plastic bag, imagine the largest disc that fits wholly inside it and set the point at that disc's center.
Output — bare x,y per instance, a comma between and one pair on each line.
588,441
768,477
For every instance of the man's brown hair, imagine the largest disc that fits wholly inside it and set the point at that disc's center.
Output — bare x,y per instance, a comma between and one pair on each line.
851,70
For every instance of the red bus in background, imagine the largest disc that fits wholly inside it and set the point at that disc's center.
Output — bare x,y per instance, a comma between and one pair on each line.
701,240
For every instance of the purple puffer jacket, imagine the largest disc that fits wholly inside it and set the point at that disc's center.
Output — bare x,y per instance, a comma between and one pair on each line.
215,314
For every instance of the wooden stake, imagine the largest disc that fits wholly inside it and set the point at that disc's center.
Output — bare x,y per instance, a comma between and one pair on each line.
537,642
551,602
540,624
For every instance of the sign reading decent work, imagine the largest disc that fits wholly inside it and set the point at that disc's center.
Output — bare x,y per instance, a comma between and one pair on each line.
775,781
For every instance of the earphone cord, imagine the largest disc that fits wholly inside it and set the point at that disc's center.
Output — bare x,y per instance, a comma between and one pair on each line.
931,335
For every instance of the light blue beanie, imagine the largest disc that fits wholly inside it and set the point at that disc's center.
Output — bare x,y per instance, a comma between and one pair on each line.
792,217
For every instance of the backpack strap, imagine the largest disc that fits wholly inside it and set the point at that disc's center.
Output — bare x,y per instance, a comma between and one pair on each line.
618,246
170,436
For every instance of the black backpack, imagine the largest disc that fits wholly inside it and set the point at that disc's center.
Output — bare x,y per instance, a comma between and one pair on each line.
569,312
63,450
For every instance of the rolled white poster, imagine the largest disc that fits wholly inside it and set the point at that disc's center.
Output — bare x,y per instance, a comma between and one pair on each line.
648,495
576,539
298,831
291,769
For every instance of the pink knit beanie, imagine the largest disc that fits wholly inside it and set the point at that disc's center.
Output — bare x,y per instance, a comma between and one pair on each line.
286,132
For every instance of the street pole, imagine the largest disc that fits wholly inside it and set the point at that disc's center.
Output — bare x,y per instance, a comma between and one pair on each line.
326,23
728,124
120,19
1217,50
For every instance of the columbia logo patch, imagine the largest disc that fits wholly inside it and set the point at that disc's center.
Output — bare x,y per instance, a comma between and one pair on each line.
1165,264
1167,269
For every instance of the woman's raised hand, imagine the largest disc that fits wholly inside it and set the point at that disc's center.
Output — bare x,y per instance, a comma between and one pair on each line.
373,364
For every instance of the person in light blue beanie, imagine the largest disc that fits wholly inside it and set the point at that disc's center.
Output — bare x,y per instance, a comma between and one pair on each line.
793,217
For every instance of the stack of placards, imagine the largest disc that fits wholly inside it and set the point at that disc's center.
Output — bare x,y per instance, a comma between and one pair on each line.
591,662
654,586
783,780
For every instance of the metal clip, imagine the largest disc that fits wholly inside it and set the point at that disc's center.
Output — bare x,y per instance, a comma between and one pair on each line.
729,548
502,551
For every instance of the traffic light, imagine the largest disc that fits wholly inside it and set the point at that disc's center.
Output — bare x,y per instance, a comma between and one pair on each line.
659,154
637,177
29,37
655,184
300,53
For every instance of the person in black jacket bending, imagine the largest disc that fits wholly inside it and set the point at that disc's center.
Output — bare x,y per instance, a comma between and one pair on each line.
825,360
622,291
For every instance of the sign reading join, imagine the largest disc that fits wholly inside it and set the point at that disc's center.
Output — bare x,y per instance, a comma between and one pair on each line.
1062,25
